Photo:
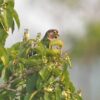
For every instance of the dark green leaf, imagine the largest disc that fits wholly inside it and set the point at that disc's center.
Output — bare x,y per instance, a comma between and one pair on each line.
1,1
27,97
1,66
58,93
13,27
39,83
10,3
9,19
3,20
3,36
31,83
16,18
1,26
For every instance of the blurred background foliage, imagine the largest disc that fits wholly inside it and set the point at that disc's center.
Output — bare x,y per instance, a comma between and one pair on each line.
88,47
79,24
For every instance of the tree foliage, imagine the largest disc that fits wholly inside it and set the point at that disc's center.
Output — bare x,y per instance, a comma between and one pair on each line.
43,75
8,18
88,46
29,70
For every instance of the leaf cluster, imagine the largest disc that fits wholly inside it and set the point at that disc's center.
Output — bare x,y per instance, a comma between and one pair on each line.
35,72
8,18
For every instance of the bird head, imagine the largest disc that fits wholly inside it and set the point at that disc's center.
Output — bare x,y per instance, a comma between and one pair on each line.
52,34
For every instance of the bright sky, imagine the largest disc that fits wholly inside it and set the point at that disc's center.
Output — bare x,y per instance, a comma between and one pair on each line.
39,16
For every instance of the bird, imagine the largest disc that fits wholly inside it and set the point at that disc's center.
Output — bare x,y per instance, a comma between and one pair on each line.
50,35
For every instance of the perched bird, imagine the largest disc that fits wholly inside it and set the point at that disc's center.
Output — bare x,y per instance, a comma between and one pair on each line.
49,36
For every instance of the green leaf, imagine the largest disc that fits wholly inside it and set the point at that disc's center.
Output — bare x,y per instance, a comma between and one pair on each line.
27,97
6,73
45,73
3,56
57,72
31,83
32,95
1,26
3,73
58,93
53,52
3,36
2,50
3,20
3,60
71,87
13,27
39,83
46,96
16,18
1,1
1,66
9,18
10,3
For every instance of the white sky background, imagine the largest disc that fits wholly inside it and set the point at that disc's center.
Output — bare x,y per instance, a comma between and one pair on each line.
41,15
